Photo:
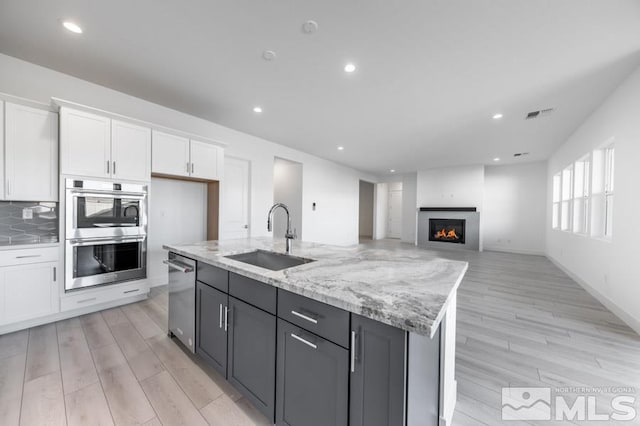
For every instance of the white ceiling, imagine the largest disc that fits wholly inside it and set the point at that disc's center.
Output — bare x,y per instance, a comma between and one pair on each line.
430,75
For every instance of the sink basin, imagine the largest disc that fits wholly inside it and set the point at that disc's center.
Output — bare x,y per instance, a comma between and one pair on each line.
269,259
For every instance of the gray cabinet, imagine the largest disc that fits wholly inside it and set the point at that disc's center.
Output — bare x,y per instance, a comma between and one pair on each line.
313,379
377,388
211,320
252,354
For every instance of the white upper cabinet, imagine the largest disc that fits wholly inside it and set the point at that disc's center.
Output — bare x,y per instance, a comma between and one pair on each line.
178,156
85,142
96,146
170,154
31,154
206,160
130,151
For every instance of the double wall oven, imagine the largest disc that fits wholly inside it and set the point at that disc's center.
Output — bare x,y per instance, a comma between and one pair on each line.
106,233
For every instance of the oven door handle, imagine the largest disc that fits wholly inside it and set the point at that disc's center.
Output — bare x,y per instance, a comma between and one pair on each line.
108,240
108,194
178,267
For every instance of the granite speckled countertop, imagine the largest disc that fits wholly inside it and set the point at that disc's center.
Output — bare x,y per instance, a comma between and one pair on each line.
407,287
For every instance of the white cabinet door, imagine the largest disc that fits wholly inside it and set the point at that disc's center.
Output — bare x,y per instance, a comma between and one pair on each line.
170,154
85,143
130,151
1,158
31,153
206,161
28,291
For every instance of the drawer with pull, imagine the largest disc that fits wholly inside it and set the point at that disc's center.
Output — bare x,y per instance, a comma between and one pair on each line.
319,318
30,255
82,298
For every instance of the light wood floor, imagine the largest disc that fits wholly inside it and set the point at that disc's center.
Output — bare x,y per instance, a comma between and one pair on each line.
521,322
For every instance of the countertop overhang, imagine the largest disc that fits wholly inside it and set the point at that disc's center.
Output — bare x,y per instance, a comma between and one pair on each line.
405,287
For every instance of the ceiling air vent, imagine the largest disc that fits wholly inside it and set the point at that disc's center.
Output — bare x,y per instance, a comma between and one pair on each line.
520,154
535,114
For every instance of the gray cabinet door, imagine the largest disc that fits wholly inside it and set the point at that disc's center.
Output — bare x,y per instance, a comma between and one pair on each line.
252,354
211,333
377,389
313,379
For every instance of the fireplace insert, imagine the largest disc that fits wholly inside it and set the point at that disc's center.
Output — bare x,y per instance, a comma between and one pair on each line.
447,230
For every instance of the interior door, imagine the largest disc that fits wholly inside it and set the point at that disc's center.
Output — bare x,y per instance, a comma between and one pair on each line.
394,228
235,199
130,151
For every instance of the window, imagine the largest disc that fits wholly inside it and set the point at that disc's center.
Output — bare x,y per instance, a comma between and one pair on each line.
567,198
557,182
581,195
609,162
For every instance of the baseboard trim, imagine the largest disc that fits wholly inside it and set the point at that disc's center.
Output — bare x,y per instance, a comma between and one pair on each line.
626,317
514,250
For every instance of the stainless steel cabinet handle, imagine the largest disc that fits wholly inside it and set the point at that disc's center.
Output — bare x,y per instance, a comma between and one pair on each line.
353,351
305,317
185,269
192,168
28,256
226,318
55,278
188,164
114,168
108,162
306,342
131,291
220,316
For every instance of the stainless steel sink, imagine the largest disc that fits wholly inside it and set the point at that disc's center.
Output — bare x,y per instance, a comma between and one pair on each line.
269,259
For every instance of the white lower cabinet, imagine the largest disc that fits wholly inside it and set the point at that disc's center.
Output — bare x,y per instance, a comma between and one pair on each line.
28,291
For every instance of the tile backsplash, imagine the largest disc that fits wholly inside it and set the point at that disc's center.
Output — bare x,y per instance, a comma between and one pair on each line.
28,222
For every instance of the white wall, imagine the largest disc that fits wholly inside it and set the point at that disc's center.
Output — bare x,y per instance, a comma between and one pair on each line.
366,209
333,187
177,214
514,208
606,268
287,189
451,187
409,210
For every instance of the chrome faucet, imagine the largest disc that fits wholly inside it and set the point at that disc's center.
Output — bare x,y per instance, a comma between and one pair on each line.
288,234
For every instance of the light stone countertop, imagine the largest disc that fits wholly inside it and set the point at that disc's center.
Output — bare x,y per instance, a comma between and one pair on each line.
408,287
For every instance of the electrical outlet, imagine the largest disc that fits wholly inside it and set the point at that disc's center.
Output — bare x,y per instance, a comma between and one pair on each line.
27,213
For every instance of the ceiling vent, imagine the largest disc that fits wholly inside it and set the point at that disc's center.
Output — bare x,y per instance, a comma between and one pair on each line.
540,113
520,154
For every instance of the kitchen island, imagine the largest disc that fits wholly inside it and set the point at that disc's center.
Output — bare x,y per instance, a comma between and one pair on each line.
358,335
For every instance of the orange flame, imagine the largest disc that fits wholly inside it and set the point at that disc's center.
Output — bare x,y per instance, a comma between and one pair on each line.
451,234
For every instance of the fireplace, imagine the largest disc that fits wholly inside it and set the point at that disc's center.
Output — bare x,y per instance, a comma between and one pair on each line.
447,230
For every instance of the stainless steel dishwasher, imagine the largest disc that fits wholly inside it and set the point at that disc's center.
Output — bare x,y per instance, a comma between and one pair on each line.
182,299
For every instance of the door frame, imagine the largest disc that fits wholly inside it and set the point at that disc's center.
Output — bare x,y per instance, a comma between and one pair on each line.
249,192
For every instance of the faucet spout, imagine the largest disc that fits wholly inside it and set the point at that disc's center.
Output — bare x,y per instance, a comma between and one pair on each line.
288,235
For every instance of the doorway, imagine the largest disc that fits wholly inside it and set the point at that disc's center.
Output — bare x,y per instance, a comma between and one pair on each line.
287,189
394,216
365,211
234,196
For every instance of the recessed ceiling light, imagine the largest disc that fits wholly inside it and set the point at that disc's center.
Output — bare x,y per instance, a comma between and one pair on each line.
269,55
392,170
74,28
497,116
496,159
341,148
349,68
310,27
257,109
